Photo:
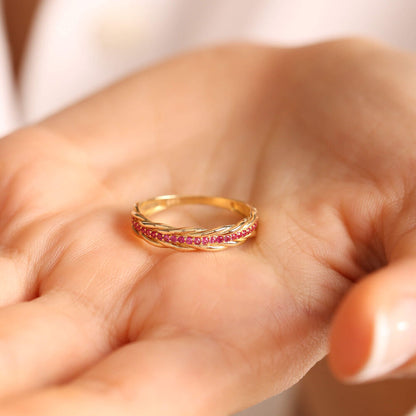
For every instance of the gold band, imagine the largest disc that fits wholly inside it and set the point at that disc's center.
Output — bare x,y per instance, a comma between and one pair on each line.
191,239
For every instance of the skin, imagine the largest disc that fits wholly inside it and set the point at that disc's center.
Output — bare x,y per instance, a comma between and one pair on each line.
321,139
321,395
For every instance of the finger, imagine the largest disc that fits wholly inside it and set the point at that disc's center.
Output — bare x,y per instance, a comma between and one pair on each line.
374,330
47,340
185,375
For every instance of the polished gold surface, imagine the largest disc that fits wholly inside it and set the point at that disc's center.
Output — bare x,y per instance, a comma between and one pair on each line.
194,238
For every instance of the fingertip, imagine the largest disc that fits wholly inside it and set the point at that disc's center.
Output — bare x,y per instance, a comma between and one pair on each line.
373,334
351,338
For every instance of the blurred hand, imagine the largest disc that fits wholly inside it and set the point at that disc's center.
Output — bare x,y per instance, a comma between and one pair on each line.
322,140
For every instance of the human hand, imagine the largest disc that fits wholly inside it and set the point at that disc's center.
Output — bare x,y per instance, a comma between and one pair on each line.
319,139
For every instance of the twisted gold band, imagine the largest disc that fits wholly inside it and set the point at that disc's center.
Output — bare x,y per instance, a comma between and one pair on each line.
191,239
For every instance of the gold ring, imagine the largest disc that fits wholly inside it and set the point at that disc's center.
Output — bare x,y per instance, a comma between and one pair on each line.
191,239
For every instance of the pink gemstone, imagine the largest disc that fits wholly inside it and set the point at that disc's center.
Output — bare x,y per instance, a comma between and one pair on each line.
227,238
160,236
153,234
173,238
255,225
189,240
213,239
197,241
239,234
234,236
244,233
166,238
181,239
205,240
220,239
148,232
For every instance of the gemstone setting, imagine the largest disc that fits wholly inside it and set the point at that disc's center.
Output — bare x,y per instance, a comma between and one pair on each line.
183,240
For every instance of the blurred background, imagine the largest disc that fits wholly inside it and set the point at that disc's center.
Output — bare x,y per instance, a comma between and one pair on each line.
55,52
58,51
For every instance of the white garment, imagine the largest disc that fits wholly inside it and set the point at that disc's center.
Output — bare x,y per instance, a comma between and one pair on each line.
77,47
8,110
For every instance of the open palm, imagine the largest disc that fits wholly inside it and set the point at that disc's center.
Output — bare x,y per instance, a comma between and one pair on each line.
94,321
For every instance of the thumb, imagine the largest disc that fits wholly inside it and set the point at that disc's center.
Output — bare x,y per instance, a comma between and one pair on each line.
373,333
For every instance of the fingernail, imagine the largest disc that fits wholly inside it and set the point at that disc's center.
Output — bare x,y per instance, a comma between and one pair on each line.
394,341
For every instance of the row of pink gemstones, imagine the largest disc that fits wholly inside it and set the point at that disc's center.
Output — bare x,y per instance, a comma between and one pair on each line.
219,239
